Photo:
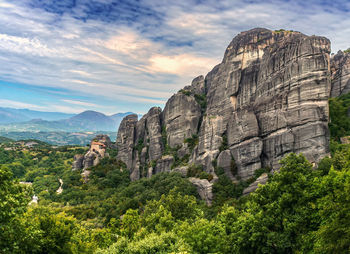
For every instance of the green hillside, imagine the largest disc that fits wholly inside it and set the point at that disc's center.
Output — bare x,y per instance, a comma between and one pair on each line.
299,210
5,140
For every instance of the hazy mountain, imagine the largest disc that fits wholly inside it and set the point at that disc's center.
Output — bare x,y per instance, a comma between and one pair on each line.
90,121
12,115
85,121
55,138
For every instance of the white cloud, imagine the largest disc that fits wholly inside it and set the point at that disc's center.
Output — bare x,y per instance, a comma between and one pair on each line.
19,105
24,45
143,60
81,103
186,64
129,43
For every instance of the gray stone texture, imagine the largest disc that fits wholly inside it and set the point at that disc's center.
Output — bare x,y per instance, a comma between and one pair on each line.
126,139
268,96
96,152
204,188
340,69
181,117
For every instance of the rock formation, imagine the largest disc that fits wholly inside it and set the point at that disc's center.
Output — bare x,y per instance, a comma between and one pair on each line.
96,152
268,97
253,186
204,188
340,70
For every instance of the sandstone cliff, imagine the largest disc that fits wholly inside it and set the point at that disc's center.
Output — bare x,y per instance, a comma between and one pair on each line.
268,97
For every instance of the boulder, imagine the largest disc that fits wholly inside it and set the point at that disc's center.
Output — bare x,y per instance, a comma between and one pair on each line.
78,162
226,162
253,186
204,188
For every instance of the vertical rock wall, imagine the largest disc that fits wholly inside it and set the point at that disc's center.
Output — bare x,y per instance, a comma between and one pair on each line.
340,68
268,97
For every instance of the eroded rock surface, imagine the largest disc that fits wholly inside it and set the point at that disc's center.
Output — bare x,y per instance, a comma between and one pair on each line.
340,68
180,117
97,151
126,139
260,181
204,188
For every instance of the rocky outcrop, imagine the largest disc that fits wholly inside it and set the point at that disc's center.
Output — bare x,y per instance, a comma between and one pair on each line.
268,97
180,118
97,151
204,188
78,162
226,162
126,139
340,68
253,186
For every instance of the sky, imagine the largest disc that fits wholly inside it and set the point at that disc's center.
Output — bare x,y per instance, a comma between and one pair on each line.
129,55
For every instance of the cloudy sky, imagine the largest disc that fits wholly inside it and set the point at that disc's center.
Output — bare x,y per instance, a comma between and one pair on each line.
129,55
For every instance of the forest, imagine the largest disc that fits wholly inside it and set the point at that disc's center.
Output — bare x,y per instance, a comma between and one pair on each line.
301,209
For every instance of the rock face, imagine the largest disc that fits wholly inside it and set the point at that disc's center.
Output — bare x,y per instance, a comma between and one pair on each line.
204,188
96,152
340,68
268,97
126,139
252,187
180,117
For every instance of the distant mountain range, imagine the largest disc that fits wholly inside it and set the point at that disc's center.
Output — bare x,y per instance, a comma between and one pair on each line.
13,115
22,120
55,137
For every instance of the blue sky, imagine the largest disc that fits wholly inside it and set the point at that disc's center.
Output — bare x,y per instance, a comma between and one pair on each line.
117,56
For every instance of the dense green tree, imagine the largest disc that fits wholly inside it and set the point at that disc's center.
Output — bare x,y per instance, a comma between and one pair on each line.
333,235
14,198
130,223
279,213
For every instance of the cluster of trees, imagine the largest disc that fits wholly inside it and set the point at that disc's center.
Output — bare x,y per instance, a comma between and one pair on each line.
300,210
41,164
339,109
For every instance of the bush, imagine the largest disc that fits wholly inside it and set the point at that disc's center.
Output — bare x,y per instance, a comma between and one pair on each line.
339,124
194,170
192,142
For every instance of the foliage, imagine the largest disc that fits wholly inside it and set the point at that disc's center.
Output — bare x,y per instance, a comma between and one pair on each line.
299,210
13,201
192,142
339,125
166,242
194,170
224,144
5,140
347,51
225,190
139,146
186,92
165,139
201,99
283,31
